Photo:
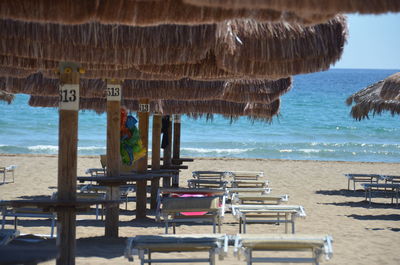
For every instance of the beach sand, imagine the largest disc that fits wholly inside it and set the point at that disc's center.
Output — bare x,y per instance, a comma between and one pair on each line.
362,234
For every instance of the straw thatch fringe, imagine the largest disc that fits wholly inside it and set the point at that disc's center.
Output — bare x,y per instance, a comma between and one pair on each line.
261,91
267,49
129,12
261,111
4,96
377,98
307,6
126,56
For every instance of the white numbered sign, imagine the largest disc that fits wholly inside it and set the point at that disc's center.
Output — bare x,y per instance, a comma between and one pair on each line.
144,107
114,92
69,97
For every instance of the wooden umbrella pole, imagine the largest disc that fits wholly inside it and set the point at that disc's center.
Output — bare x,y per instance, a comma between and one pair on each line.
67,161
167,150
177,137
176,146
113,154
155,158
144,110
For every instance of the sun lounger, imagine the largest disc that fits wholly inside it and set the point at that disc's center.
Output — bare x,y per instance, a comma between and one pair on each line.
6,235
251,198
391,179
192,209
232,191
215,244
386,188
209,175
249,183
315,245
246,175
203,183
274,214
29,212
8,169
361,178
124,190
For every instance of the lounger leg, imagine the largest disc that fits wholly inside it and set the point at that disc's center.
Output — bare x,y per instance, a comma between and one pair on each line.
149,255
3,222
15,222
174,228
348,184
13,176
52,227
293,229
244,224
212,257
97,212
370,196
286,223
240,225
249,256
214,224
166,227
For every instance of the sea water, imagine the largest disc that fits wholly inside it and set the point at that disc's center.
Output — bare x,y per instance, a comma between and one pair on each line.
314,124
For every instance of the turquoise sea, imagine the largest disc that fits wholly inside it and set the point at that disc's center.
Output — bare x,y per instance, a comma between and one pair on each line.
314,124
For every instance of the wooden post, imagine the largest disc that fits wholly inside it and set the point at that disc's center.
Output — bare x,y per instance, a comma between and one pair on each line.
155,158
176,145
67,161
177,137
167,150
113,154
141,200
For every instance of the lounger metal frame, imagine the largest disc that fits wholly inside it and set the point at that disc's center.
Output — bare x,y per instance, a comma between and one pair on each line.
8,169
221,250
387,188
268,214
316,253
361,178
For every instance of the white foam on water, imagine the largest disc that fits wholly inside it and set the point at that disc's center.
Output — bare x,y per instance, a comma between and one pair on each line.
217,150
51,148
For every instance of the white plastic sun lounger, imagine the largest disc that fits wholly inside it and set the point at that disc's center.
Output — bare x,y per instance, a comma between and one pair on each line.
147,245
178,209
248,183
246,175
209,175
361,178
8,169
206,183
387,188
315,245
264,214
265,199
30,212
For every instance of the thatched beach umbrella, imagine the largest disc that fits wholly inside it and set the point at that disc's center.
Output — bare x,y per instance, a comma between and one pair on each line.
308,6
377,98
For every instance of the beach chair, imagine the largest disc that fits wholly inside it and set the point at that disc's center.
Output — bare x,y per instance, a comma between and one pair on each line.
145,246
206,183
191,209
246,175
125,190
8,169
361,178
391,189
391,179
313,245
264,214
29,212
231,192
209,175
251,198
7,235
249,183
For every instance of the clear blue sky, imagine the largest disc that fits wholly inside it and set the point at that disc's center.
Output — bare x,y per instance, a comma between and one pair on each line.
374,42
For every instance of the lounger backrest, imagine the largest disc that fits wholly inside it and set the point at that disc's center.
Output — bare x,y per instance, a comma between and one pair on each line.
190,204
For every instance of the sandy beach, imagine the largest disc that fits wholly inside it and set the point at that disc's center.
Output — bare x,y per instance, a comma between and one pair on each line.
362,234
